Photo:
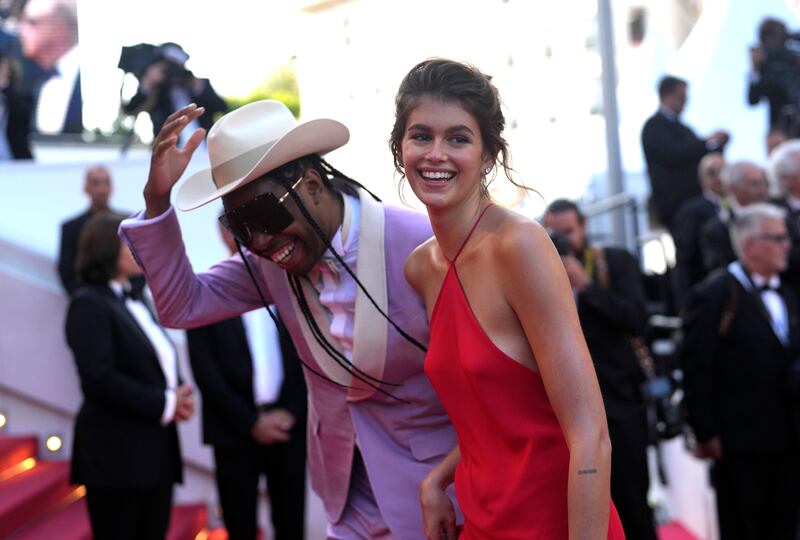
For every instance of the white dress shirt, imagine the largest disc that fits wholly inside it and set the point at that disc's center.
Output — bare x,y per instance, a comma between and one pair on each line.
776,307
55,94
265,350
167,358
337,288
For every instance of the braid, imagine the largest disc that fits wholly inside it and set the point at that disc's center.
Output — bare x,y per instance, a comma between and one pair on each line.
281,328
327,242
331,171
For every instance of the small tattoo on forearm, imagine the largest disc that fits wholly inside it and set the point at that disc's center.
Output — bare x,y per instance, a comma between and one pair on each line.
587,471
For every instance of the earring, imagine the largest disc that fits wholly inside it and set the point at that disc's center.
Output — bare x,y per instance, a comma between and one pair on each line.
486,171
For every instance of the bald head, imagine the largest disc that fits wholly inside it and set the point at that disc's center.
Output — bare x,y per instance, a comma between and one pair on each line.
98,187
709,173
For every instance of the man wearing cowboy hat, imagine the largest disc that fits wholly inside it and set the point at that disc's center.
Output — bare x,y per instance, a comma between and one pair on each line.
330,258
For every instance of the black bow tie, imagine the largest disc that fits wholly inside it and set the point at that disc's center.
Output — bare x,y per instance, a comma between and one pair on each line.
767,287
132,293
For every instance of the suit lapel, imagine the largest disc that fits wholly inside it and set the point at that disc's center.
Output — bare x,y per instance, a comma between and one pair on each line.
370,332
118,305
328,365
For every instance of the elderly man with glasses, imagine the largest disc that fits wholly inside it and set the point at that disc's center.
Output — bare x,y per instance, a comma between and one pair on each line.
739,357
329,256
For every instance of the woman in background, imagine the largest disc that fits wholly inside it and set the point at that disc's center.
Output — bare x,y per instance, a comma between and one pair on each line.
125,446
507,355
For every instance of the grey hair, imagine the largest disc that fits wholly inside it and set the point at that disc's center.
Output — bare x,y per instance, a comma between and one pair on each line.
783,161
732,174
747,223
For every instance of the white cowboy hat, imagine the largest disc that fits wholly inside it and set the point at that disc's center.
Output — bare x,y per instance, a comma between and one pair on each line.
252,140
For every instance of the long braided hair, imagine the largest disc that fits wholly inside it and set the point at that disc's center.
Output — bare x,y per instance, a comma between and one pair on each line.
334,180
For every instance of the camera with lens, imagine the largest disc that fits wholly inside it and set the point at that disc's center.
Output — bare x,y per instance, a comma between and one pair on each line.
561,242
177,75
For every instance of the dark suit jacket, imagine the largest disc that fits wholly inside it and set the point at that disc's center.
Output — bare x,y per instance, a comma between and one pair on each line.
160,106
70,233
20,112
792,273
119,441
223,370
68,252
716,247
736,383
689,267
608,317
672,152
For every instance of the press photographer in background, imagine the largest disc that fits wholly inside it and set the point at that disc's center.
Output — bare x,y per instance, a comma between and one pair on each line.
166,85
775,75
611,305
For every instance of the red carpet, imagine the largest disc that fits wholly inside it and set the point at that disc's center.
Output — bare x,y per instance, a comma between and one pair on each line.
37,501
675,531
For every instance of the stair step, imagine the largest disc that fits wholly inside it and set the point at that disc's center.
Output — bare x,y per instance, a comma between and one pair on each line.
71,522
15,450
32,493
187,521
674,531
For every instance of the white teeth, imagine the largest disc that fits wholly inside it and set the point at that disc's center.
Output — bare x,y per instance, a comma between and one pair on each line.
437,175
282,255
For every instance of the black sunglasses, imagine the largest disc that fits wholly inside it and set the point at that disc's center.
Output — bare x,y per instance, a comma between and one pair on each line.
264,213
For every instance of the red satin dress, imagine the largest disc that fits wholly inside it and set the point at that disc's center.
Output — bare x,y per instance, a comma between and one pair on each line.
511,481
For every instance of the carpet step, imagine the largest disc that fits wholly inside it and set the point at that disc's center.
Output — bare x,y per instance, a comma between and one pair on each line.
70,522
13,452
187,521
675,531
30,494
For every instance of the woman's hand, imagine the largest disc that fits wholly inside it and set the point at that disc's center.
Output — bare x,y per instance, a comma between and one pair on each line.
438,515
168,162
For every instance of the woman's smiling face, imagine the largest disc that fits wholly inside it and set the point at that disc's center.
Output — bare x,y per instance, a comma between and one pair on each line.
443,153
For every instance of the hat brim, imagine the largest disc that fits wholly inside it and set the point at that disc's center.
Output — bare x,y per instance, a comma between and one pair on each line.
318,136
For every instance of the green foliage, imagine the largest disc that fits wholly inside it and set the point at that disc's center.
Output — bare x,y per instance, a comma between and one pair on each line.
281,86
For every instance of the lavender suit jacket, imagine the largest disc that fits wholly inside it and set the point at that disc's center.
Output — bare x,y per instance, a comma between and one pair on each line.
400,442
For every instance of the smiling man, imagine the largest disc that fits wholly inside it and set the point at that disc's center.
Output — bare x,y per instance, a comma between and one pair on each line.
330,258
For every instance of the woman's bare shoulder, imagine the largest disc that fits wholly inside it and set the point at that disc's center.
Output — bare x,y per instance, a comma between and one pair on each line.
420,263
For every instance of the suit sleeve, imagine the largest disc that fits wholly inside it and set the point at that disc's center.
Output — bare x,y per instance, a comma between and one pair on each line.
91,336
205,357
623,303
182,298
66,260
663,147
699,352
294,397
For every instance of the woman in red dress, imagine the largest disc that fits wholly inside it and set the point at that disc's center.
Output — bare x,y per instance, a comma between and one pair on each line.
506,355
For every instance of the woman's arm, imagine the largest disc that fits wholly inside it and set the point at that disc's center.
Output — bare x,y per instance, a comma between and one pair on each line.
438,515
537,289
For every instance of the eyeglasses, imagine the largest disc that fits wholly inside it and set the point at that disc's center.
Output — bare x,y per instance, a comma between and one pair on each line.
776,238
264,213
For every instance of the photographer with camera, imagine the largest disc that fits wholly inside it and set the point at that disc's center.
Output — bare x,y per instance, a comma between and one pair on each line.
611,305
775,75
742,339
166,86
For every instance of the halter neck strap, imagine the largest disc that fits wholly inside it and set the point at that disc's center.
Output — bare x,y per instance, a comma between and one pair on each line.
469,235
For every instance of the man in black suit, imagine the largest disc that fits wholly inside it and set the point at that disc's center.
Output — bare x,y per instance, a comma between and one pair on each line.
785,168
746,184
125,445
690,218
741,343
254,415
97,187
773,76
48,35
673,152
610,298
